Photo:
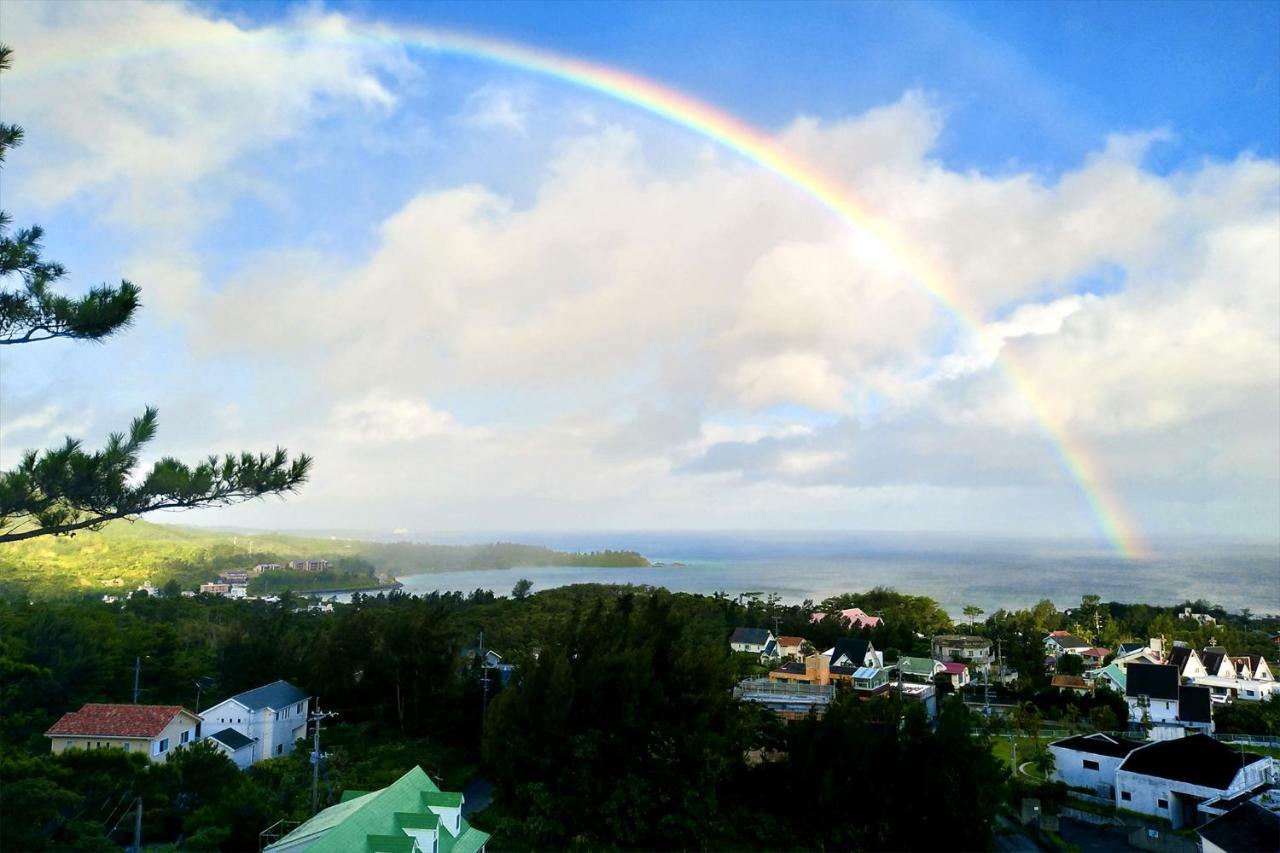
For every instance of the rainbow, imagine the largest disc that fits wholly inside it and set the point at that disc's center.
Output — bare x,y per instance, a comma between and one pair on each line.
1112,517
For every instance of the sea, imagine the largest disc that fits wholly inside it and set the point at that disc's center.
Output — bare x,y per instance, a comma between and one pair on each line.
955,571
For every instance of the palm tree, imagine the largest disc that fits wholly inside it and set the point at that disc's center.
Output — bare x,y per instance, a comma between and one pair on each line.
972,611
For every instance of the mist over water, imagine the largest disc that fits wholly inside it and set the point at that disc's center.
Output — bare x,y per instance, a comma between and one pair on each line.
955,571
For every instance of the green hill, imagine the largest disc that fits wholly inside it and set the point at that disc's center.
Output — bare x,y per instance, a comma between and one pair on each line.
125,554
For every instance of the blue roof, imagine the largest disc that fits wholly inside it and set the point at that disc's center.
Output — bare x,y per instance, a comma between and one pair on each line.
275,695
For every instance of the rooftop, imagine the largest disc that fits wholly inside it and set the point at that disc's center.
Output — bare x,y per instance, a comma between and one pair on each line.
962,641
116,720
231,738
277,694
1100,744
1247,827
753,636
1153,680
1196,759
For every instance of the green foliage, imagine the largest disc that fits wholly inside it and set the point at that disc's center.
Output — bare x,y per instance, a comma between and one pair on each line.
1070,665
277,582
1255,718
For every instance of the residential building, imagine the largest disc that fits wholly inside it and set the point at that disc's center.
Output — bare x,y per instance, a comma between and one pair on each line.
840,663
855,616
1095,657
1201,618
234,576
1111,676
1060,643
411,815
1253,667
952,647
151,730
1152,692
1217,662
273,716
790,647
237,747
1171,778
266,567
957,672
1128,653
791,699
854,652
1075,683
1091,761
1187,661
919,670
215,588
1247,828
754,640
309,565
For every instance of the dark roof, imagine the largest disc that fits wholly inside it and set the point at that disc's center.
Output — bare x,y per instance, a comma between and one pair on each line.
1194,705
843,670
232,739
793,668
116,720
1153,680
754,636
1212,660
1178,657
1100,744
1247,828
1196,759
1126,648
855,648
277,694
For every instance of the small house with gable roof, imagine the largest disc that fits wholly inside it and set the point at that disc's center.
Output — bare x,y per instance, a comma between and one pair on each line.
152,730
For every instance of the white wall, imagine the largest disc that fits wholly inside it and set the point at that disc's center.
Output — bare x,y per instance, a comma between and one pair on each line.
274,736
1069,768
1146,791
1160,710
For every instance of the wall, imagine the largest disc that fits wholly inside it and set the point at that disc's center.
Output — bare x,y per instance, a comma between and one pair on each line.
1069,768
1160,710
1147,790
58,744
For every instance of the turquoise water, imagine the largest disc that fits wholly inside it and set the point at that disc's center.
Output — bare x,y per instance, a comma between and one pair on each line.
954,571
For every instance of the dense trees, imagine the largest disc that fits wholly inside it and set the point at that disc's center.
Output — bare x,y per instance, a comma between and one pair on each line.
67,489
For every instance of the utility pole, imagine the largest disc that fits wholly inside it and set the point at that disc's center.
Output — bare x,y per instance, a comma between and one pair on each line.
137,672
137,828
317,716
484,678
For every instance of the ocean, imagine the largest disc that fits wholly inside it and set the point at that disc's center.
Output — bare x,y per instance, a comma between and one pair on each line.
954,571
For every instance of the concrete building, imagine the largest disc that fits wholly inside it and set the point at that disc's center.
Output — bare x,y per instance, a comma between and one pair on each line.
1152,692
1170,779
152,730
1091,761
273,717
971,650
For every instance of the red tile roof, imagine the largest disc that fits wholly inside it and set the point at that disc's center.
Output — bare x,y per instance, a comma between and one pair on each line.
953,667
116,720
790,641
1095,652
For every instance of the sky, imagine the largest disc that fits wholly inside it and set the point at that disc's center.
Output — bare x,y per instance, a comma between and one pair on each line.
488,299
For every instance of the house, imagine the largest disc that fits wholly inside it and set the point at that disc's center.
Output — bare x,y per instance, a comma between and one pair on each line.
239,748
1195,709
1152,692
1247,828
855,616
151,730
1094,657
1199,618
1253,667
919,670
1074,683
1169,779
790,647
974,650
411,815
1091,761
1112,676
957,672
488,663
754,640
1187,661
854,652
273,717
1217,662
1127,653
795,671
1060,643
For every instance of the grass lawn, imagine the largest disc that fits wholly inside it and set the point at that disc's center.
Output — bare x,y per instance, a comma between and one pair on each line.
1026,748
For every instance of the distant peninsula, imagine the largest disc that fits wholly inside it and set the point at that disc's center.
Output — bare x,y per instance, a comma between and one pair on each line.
125,555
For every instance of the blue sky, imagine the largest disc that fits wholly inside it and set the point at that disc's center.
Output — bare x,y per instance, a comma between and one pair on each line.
489,300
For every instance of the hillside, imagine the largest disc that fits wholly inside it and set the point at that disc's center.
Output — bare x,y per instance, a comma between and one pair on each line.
125,554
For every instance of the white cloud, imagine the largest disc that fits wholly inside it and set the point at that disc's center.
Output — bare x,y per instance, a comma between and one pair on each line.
493,107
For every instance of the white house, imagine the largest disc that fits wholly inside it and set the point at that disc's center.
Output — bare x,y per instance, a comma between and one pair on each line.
1170,779
1091,761
272,717
1060,643
1252,667
1152,692
1217,662
1187,661
237,747
758,640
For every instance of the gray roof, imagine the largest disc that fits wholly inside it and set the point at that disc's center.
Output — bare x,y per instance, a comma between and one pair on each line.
232,739
277,694
752,636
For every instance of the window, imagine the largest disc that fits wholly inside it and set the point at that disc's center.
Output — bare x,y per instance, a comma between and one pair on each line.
186,736
69,744
126,745
1090,765
162,746
1162,804
279,749
299,707
1126,796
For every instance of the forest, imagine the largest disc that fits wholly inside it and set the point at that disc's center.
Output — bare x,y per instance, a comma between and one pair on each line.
620,729
126,554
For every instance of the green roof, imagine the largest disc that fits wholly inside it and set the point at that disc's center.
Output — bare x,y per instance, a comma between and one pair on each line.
376,822
917,666
1116,672
352,794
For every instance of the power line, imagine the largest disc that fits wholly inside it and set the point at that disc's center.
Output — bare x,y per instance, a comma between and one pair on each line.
317,717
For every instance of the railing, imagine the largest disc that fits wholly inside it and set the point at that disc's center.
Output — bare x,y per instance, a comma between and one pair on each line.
275,832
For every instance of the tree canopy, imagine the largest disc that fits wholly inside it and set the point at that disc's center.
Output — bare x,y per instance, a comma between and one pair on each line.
67,489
